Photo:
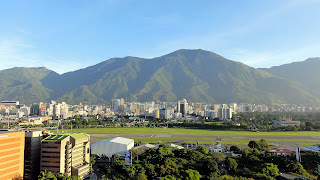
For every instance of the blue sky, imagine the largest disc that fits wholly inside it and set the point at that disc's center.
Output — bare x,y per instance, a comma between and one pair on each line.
69,35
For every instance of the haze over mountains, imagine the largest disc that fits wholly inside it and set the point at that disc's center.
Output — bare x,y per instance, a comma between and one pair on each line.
197,75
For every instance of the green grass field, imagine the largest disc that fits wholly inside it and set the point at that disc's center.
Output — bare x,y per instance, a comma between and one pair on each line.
306,144
188,131
226,141
202,140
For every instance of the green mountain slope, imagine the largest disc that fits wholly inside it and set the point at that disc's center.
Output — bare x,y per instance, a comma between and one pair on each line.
197,75
24,84
305,72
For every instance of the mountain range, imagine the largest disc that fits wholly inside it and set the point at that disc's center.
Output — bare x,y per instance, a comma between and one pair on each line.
197,75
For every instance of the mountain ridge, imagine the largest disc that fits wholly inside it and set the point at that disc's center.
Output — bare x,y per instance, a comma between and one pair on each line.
303,72
198,75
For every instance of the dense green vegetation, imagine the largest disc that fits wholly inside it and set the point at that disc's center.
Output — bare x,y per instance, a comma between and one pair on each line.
167,163
47,175
197,75
263,121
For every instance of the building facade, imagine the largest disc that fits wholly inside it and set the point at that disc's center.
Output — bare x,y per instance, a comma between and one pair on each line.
11,154
182,107
66,153
32,153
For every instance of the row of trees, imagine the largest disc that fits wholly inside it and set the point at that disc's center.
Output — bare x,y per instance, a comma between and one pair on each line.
47,175
259,121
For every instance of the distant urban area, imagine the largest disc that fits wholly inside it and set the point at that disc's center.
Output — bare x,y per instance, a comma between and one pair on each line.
165,140
174,111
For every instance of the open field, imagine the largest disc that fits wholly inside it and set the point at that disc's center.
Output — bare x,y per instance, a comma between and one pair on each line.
190,131
226,141
305,144
204,136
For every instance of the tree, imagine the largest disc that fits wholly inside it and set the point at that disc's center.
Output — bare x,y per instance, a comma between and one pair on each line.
253,144
296,167
218,156
194,156
44,175
130,170
191,174
211,166
134,154
167,177
235,149
141,176
93,159
231,164
270,169
203,149
263,145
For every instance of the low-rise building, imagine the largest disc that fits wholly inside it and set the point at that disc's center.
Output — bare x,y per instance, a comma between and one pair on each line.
285,122
109,147
281,151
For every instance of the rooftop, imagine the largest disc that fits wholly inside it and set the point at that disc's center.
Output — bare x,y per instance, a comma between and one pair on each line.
77,136
5,131
314,148
55,138
119,140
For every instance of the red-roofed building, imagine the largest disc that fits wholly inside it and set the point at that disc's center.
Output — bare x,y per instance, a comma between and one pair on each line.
281,151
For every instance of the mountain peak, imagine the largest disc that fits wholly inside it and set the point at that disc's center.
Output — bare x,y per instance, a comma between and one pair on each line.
195,74
313,59
191,51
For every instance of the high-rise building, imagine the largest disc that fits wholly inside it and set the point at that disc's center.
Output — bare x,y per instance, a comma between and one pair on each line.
216,107
142,108
64,110
11,154
116,104
57,109
157,114
234,107
262,108
182,107
225,112
66,153
34,109
32,153
51,108
42,109
199,107
212,114
164,114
